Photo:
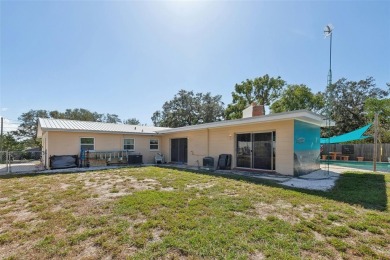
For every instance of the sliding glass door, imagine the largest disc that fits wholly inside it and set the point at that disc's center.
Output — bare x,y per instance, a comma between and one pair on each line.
244,150
262,151
179,150
256,150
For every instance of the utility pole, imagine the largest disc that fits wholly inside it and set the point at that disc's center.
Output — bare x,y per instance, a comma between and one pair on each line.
1,135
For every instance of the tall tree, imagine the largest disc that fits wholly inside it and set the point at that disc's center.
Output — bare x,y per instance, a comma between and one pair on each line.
28,127
296,97
131,121
347,99
9,143
211,108
187,108
382,107
78,114
262,90
111,118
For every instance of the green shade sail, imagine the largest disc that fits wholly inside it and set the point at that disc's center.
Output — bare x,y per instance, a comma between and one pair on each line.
351,136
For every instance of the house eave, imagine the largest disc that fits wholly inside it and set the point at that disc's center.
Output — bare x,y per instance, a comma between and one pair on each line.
97,131
302,115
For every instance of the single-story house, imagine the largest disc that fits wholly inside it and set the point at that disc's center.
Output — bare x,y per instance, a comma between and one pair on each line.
285,143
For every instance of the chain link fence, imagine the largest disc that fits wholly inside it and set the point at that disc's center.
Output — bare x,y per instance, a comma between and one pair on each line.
3,162
21,161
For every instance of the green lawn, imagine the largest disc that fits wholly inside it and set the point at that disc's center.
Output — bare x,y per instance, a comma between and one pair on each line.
150,213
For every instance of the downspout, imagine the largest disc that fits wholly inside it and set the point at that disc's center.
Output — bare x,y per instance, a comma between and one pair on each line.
208,142
45,137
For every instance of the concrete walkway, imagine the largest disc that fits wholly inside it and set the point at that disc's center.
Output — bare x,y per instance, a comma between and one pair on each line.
318,180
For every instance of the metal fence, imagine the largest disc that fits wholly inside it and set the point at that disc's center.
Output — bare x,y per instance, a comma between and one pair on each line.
21,161
360,150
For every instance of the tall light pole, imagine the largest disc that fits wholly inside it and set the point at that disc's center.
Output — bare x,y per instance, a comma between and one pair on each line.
375,155
328,31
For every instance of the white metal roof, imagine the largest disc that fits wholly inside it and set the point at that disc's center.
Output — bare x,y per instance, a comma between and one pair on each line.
48,124
302,115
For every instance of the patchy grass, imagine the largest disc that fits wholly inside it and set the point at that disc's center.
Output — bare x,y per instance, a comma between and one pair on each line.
149,213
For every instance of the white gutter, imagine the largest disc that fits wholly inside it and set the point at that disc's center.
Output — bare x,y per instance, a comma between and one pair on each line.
97,131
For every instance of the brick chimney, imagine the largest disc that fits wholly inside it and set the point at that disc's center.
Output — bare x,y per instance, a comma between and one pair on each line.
253,110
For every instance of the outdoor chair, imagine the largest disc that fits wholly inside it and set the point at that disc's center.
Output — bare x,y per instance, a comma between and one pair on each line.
159,158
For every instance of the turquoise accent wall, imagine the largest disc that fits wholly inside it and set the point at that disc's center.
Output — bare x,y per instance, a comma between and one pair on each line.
306,148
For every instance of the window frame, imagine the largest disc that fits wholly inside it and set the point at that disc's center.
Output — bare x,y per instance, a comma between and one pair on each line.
124,139
157,144
81,143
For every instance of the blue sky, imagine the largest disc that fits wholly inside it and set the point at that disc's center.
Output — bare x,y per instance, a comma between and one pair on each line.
129,57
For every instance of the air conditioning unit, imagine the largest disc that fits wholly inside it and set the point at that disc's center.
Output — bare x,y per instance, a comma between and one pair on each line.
208,162
134,159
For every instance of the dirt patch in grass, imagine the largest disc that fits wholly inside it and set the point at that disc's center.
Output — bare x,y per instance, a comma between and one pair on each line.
257,256
283,210
156,235
200,186
87,197
23,215
89,251
318,236
64,186
325,254
104,188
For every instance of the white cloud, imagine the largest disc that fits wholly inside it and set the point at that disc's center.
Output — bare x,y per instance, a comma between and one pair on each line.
9,126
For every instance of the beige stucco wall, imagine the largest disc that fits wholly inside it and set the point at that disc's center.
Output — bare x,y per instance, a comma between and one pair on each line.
201,143
222,141
68,143
197,145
